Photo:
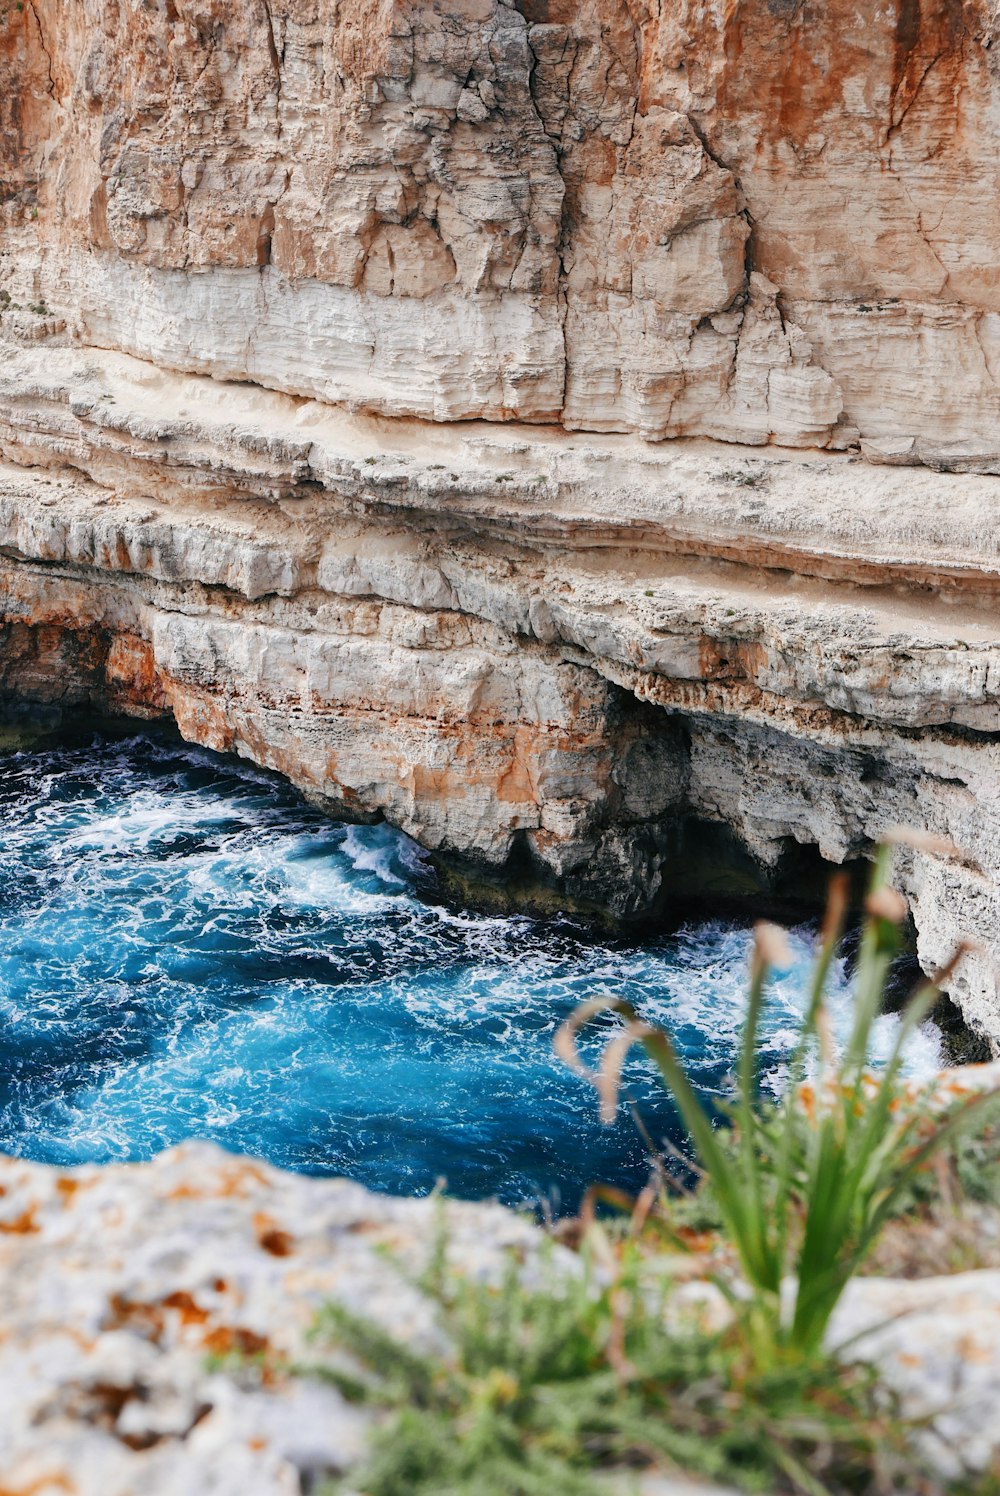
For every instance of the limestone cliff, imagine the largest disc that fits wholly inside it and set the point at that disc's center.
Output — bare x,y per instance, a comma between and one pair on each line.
760,220
258,262
528,650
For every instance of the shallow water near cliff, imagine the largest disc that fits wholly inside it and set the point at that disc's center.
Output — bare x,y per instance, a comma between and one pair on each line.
187,950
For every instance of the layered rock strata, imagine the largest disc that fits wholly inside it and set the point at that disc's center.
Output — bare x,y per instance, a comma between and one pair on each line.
530,651
761,222
768,223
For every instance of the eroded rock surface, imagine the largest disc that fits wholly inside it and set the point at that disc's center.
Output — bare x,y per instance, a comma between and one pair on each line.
123,1288
760,222
769,223
544,655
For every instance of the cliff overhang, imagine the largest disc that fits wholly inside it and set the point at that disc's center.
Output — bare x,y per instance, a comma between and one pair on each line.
524,648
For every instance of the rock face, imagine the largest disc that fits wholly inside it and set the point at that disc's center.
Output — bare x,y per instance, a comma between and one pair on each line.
556,657
122,1284
542,656
760,222
119,1285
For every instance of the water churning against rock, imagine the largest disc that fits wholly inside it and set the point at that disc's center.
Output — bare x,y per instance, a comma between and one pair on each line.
187,950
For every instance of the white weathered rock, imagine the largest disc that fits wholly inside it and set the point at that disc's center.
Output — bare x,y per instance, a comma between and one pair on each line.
936,1342
119,1285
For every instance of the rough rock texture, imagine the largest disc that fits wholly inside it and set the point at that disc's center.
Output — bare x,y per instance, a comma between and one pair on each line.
119,1285
936,1343
537,653
757,221
764,222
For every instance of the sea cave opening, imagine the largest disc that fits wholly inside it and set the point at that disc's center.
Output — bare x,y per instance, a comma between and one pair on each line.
190,949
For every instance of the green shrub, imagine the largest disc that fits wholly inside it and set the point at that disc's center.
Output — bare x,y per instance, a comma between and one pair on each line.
806,1187
548,1387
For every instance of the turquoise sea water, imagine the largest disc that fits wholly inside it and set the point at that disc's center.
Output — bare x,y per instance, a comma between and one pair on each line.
187,950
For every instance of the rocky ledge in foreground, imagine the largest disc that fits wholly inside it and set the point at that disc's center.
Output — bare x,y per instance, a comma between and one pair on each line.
120,1285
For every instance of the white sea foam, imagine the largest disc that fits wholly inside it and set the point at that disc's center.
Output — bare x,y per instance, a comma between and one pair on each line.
370,852
186,949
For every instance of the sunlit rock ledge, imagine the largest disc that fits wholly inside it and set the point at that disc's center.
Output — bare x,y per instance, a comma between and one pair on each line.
119,1285
558,661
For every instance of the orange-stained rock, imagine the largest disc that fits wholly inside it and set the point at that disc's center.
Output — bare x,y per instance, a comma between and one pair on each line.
762,221
554,661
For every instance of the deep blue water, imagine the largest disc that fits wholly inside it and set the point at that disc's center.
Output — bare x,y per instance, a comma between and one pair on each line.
187,950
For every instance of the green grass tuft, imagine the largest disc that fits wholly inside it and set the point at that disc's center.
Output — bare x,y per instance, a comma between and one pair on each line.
808,1187
550,1387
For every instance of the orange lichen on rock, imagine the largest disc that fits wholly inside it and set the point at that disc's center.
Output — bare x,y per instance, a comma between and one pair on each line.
551,212
272,1237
